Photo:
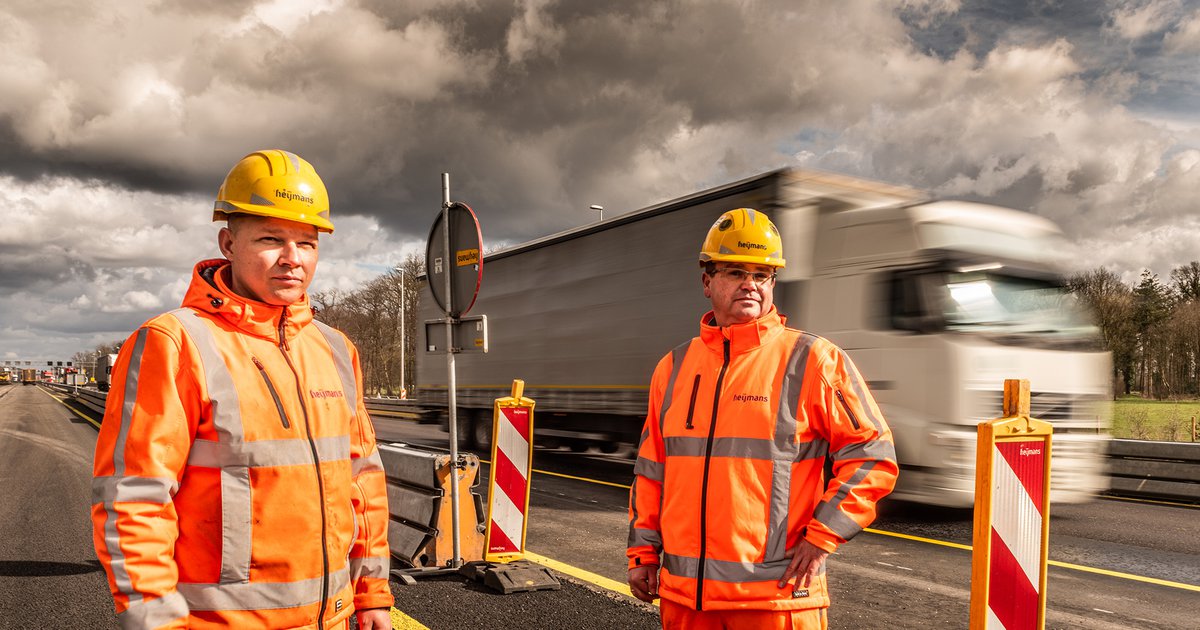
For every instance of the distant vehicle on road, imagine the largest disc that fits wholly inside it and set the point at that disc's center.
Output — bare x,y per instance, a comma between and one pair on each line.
104,366
29,376
938,302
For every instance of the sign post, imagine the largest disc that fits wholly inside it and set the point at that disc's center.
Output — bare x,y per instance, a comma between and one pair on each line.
455,269
1012,517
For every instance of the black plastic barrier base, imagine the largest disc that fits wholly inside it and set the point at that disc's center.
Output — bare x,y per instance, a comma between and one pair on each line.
518,576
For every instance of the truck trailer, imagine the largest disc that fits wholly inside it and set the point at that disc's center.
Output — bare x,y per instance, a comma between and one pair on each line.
936,301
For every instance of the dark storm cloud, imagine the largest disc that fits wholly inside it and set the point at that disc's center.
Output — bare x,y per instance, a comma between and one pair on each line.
537,108
540,108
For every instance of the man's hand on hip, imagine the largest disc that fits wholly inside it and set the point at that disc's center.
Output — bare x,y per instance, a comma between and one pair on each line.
643,582
807,560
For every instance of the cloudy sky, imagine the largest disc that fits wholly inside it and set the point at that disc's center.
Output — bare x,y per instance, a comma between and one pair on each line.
118,121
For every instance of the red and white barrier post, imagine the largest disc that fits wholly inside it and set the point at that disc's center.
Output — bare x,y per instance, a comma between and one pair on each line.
512,465
1012,517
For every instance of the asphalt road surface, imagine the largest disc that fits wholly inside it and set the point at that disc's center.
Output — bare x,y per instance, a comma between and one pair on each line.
1115,564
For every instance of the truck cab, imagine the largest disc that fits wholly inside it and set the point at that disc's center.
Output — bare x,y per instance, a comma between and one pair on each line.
938,303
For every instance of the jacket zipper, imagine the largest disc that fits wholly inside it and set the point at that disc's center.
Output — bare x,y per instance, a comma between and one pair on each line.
312,445
692,405
712,431
846,406
274,394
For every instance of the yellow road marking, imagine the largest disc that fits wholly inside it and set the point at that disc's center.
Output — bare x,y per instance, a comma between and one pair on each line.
582,574
1053,563
401,621
1153,501
917,538
73,410
596,481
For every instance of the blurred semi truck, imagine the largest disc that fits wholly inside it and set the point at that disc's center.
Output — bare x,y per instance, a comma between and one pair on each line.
104,366
937,302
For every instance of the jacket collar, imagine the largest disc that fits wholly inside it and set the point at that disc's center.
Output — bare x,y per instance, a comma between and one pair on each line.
209,292
742,337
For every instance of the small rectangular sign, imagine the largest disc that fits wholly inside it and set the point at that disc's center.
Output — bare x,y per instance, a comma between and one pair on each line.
470,335
466,257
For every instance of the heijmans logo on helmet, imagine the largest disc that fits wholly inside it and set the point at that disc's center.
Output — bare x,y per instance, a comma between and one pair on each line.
746,245
284,193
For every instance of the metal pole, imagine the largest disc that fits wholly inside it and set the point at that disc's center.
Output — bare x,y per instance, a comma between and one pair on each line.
403,334
451,383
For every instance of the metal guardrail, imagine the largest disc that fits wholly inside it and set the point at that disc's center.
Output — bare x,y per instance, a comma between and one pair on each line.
396,407
1163,470
1137,468
91,398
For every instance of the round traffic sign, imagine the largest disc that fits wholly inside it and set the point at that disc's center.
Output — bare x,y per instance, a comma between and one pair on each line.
463,263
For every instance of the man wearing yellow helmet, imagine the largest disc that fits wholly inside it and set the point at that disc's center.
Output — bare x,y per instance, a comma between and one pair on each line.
730,515
237,481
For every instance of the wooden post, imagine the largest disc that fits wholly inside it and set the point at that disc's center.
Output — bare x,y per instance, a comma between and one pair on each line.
1016,397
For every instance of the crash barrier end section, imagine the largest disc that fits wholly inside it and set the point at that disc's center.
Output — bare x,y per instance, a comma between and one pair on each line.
1012,518
508,485
418,489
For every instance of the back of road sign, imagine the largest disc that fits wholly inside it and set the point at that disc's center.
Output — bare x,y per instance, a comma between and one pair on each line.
464,261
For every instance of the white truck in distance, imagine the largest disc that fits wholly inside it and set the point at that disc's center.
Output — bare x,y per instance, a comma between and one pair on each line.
104,366
937,302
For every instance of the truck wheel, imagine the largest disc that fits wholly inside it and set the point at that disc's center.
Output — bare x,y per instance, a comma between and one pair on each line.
481,432
579,446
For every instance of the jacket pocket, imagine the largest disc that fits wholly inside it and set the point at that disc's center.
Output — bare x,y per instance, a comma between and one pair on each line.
849,411
274,394
692,404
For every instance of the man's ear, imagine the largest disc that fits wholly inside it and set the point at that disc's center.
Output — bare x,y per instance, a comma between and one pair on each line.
225,242
704,280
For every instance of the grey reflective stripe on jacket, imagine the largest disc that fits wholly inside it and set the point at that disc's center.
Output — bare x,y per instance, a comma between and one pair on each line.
107,491
152,613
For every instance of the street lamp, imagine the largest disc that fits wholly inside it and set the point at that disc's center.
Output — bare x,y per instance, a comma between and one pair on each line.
600,209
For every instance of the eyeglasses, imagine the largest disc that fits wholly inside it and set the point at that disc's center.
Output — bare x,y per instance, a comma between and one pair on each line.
759,278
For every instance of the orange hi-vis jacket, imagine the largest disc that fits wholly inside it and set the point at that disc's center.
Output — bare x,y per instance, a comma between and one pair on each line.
730,471
237,483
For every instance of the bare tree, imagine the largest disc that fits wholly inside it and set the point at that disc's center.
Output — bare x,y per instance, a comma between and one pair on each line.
1111,304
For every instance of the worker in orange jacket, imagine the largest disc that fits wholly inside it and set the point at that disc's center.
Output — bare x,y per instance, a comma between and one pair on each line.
730,515
237,483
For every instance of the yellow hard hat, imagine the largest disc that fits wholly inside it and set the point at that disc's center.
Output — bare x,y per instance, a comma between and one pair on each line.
743,235
274,183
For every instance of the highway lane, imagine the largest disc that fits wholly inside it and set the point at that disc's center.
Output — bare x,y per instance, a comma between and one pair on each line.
1115,564
49,575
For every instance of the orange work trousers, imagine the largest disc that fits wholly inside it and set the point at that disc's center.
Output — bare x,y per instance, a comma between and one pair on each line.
679,617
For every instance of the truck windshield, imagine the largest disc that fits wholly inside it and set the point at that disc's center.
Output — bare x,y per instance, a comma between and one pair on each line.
991,302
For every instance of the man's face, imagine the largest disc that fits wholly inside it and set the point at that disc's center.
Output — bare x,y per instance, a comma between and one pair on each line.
737,301
273,260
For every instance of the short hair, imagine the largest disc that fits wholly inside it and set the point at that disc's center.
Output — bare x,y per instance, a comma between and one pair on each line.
233,220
